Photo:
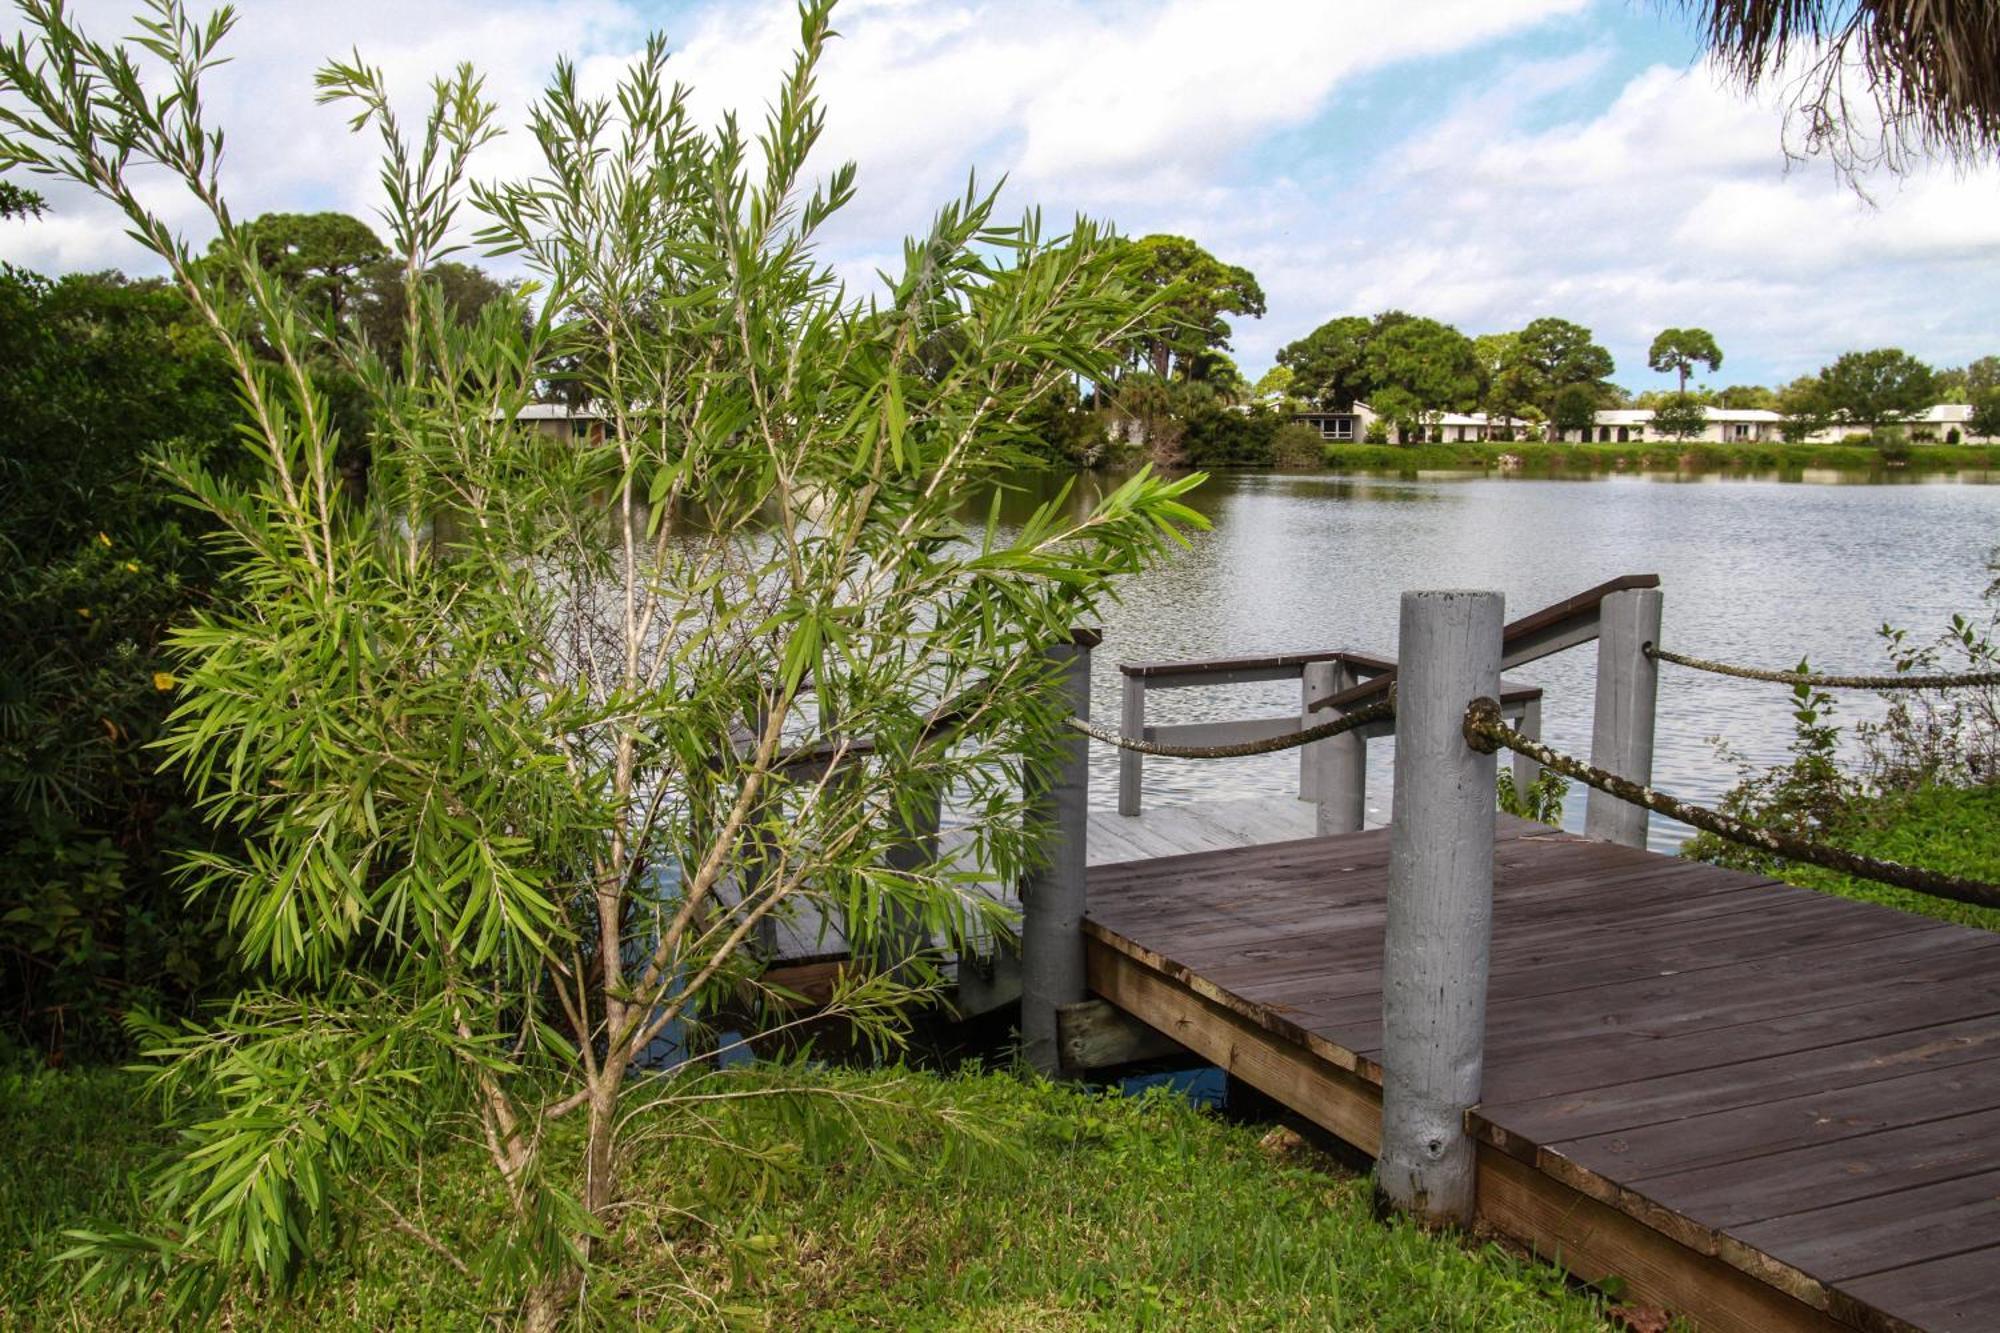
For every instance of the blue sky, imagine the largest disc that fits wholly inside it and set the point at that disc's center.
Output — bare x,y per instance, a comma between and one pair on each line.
1482,161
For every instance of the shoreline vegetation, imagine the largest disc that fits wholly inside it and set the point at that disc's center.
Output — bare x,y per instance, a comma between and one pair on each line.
1134,1211
1534,457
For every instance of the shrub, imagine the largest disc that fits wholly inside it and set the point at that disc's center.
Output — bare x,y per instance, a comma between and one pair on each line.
99,562
1229,437
1297,445
1891,443
1952,436
515,801
1377,432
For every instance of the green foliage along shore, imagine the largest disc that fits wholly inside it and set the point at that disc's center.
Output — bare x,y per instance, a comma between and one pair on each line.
1665,456
1120,1213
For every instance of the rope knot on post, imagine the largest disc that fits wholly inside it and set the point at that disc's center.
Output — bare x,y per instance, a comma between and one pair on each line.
1482,722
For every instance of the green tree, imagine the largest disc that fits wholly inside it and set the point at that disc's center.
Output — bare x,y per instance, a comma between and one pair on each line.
97,561
1574,409
1194,290
1746,397
1803,403
1274,386
1330,365
1980,376
327,259
1554,354
1679,351
1509,388
519,782
1985,419
1419,369
1878,387
1680,416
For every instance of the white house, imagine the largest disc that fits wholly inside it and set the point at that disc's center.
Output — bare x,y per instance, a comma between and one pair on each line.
563,421
1723,425
1344,426
1450,427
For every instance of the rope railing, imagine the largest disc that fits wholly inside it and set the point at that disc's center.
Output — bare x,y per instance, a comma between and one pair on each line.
1486,732
1899,681
1347,722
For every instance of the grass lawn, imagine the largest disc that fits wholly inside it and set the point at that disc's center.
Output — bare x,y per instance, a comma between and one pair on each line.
1114,1212
1956,830
1663,456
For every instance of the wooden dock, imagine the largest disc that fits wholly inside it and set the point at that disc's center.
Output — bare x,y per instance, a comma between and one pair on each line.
1759,1107
1755,1106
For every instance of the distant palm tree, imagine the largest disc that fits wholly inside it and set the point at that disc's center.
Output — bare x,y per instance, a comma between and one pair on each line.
1875,81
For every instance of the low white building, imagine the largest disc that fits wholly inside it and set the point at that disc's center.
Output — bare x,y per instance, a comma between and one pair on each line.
1352,425
563,421
1723,425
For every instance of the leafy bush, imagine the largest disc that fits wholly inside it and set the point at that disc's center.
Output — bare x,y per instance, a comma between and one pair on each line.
97,561
1230,437
1297,445
518,786
1892,442
1945,736
1804,797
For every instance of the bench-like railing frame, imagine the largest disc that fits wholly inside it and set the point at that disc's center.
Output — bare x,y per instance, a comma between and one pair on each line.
1332,773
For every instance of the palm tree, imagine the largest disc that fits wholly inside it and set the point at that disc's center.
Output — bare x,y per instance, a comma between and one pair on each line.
1930,72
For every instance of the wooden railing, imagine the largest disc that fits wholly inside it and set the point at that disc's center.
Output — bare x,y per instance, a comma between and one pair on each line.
1333,774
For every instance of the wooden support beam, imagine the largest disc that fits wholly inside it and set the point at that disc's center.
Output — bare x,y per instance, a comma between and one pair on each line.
1338,1101
1097,1035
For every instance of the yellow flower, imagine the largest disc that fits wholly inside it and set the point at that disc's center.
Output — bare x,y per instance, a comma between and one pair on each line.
162,681
103,540
83,611
131,566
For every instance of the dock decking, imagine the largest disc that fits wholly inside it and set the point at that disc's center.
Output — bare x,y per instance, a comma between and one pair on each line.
1761,1107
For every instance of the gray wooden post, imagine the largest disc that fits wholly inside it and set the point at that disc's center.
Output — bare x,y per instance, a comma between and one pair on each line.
1340,763
1315,683
1052,897
1526,771
1621,736
1440,930
1132,726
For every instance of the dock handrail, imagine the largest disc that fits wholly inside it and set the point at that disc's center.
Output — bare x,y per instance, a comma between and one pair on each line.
1332,771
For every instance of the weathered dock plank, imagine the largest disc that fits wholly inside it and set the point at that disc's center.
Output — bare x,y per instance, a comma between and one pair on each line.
1759,1106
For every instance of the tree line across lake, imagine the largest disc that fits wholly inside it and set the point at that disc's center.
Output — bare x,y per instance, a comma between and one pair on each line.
1183,400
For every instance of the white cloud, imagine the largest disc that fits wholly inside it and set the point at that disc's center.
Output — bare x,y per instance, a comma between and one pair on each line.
1668,204
1673,205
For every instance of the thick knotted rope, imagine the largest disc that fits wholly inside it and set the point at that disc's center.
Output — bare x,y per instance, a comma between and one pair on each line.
1817,679
1361,717
1485,732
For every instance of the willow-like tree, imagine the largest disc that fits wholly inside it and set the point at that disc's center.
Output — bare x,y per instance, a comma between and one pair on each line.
528,745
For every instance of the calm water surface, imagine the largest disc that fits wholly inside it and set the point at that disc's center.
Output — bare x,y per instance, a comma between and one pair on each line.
1760,572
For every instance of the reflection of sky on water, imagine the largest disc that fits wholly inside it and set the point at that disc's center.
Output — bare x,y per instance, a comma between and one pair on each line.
1754,571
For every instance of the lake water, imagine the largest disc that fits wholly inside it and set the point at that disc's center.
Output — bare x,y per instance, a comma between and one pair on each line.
1754,571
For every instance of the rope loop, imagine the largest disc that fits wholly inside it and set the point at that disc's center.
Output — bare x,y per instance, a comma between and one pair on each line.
1485,732
1955,680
